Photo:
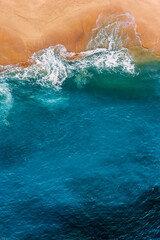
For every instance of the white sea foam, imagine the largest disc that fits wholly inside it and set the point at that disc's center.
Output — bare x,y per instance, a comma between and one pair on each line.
112,33
51,69
6,102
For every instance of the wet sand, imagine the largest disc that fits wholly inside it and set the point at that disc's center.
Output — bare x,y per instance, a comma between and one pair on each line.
30,25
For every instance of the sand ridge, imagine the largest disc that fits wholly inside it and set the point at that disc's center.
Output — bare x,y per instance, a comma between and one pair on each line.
30,25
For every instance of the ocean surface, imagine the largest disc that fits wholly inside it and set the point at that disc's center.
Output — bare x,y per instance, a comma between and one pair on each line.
80,148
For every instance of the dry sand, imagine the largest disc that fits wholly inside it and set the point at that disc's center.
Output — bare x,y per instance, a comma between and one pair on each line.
30,25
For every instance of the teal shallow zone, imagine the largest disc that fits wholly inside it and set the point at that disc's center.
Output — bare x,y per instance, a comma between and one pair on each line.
82,161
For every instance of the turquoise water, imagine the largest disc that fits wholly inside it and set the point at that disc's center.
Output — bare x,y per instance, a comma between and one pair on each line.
80,149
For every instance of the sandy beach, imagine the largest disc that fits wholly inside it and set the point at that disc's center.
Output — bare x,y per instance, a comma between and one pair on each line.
28,26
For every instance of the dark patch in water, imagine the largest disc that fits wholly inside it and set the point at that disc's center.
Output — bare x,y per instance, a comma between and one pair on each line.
139,220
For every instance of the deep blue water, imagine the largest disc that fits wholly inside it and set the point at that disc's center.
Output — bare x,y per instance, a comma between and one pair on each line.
82,162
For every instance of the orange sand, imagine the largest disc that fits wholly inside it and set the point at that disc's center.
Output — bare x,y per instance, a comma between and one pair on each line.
30,25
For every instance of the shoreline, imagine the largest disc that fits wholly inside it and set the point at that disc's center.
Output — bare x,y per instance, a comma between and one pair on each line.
37,24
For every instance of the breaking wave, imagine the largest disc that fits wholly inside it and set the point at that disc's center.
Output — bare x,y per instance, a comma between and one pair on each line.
50,66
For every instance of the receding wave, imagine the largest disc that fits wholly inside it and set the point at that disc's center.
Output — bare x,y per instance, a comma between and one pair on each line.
115,33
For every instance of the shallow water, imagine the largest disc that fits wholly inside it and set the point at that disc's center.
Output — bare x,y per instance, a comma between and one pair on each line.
80,149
